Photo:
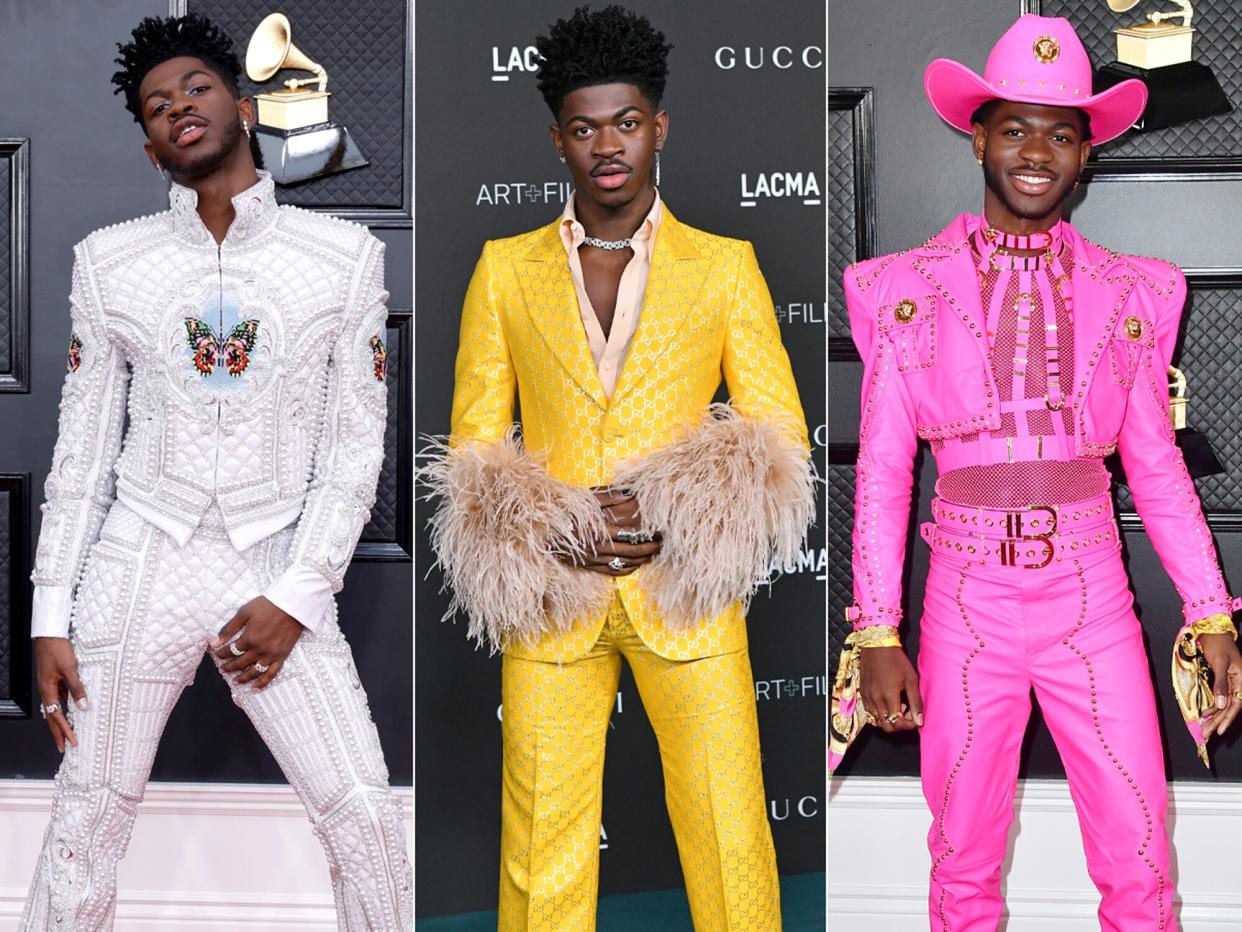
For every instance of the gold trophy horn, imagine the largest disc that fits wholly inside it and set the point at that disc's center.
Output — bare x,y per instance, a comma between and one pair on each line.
296,138
271,48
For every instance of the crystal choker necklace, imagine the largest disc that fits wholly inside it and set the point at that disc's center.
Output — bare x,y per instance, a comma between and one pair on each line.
607,243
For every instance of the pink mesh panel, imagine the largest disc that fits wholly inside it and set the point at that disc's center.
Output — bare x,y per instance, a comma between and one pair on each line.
1016,485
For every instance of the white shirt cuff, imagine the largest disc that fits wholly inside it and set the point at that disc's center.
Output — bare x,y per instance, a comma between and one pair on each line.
303,593
50,611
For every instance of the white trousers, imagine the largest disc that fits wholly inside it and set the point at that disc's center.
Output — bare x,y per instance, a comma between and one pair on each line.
143,617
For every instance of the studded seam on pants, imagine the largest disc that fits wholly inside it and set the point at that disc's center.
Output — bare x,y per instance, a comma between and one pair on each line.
555,720
143,617
989,635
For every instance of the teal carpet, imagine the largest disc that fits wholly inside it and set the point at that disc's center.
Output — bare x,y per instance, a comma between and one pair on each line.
802,910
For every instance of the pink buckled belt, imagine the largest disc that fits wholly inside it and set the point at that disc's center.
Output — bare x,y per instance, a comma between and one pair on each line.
1030,538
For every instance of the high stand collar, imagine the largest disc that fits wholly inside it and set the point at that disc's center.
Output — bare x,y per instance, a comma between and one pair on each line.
255,209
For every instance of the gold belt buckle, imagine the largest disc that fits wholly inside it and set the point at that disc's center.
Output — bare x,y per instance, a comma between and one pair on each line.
1014,529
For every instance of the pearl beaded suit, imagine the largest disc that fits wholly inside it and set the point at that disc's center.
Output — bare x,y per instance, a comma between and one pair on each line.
252,376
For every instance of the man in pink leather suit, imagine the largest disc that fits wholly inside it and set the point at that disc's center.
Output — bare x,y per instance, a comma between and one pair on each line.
1025,354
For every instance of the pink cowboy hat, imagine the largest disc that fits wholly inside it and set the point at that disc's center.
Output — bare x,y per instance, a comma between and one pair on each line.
1040,60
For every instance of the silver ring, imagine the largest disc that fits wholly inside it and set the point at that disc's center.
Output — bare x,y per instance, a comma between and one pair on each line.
634,537
616,563
46,710
261,667
234,649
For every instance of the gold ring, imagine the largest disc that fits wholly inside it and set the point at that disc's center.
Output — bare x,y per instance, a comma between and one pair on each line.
892,718
1238,695
869,718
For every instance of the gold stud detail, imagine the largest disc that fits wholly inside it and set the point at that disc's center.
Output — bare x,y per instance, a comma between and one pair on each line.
905,311
1134,328
1046,49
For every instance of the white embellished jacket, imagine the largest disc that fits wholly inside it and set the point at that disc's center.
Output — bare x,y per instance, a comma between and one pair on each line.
252,374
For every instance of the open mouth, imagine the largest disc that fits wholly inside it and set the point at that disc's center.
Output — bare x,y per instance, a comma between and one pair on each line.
1031,184
188,131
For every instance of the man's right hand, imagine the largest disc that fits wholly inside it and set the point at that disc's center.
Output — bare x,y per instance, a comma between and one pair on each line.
622,513
56,673
884,673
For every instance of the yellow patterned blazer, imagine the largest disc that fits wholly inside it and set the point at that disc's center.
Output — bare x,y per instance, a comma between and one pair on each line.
706,314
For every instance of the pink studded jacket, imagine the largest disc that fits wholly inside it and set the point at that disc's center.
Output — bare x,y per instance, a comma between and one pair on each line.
927,374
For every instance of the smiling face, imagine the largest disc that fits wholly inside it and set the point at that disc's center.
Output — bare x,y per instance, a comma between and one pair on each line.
608,135
1032,155
192,119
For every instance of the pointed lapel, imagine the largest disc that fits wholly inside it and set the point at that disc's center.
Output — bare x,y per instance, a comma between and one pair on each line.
678,275
552,304
1101,290
947,263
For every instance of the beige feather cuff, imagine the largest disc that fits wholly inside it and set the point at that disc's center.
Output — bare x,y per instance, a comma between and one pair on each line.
501,523
732,496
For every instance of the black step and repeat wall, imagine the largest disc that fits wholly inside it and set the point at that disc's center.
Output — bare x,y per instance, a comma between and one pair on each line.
71,160
899,174
744,159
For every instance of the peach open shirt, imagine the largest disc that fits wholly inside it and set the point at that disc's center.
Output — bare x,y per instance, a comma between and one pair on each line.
609,352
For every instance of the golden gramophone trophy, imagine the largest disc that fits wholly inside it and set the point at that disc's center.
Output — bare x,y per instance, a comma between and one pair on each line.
294,134
1160,52
1200,458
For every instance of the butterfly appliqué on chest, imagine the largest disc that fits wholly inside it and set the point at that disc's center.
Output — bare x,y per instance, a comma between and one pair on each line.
211,351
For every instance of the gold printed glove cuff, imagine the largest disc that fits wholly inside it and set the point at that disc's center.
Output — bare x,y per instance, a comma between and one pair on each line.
874,636
1192,685
1214,624
848,717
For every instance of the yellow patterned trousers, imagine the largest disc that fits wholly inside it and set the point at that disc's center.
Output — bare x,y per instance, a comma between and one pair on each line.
555,720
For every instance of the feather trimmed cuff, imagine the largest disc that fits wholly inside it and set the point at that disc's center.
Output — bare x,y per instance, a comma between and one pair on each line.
731,497
502,524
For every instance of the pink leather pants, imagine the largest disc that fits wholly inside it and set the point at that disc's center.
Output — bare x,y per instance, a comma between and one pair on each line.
989,634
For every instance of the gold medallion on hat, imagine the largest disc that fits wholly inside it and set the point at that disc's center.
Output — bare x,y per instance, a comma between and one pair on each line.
905,310
1046,49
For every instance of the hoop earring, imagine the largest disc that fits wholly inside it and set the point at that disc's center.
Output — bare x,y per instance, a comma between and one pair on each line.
657,168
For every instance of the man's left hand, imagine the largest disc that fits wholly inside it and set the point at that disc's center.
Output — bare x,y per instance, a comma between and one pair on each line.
1225,659
267,636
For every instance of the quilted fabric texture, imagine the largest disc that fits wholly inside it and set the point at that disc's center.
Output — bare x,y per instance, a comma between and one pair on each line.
6,605
144,615
842,235
840,579
250,367
555,722
6,266
1218,35
364,53
390,499
522,333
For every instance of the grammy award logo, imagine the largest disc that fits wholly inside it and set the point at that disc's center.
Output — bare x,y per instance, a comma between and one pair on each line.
297,139
1160,52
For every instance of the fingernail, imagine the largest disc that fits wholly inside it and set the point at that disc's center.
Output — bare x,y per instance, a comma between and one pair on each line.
82,704
918,719
1221,702
215,645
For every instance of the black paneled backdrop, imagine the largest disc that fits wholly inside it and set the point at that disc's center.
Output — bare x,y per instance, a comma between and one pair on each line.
1211,146
745,98
912,206
74,189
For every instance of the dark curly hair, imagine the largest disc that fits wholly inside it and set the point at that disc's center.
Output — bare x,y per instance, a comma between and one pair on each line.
612,46
157,39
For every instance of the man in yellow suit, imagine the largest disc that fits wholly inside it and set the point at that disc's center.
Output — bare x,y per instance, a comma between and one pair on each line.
630,517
